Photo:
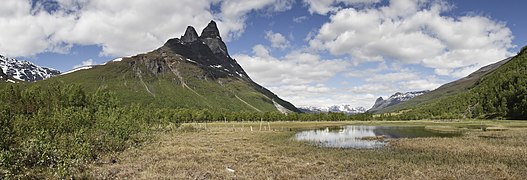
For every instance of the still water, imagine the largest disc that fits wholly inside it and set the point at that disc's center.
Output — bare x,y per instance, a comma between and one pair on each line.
364,137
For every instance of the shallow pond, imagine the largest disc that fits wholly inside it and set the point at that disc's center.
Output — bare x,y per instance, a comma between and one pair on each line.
365,137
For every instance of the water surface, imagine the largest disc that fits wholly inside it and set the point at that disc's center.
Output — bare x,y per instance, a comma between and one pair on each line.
365,136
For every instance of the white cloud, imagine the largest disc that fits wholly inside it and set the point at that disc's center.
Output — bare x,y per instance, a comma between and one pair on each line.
88,62
300,19
415,32
392,77
365,72
295,68
120,27
299,76
335,97
277,40
372,88
325,6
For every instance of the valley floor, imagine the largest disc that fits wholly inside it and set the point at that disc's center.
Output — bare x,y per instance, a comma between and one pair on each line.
233,151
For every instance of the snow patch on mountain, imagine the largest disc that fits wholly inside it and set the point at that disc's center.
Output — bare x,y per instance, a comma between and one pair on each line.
281,108
24,70
394,99
78,69
345,108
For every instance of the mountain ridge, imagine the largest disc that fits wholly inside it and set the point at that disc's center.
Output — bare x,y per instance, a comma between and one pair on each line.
394,99
495,91
185,72
344,108
24,70
448,89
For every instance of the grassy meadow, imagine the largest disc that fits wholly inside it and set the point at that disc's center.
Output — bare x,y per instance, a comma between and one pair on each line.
233,151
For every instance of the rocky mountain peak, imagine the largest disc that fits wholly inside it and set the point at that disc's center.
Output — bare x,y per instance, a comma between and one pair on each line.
211,31
394,99
190,35
211,37
208,51
24,70
379,100
203,59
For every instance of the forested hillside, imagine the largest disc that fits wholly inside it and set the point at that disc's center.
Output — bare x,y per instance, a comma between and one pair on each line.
499,94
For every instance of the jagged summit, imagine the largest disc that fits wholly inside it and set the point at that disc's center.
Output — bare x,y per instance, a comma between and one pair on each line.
211,36
211,31
379,100
25,70
190,35
207,50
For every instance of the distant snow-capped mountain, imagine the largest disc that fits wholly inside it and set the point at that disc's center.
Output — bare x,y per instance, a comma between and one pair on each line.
348,109
24,70
397,98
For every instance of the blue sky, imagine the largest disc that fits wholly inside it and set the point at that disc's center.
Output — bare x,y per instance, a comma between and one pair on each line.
310,52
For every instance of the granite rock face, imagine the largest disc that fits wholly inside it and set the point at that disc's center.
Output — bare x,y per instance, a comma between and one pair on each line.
207,50
190,35
211,37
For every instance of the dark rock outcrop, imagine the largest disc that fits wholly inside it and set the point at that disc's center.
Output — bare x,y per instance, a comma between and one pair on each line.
207,50
190,35
211,37
3,76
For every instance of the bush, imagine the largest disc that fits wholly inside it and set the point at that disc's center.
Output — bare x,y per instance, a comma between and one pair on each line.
56,128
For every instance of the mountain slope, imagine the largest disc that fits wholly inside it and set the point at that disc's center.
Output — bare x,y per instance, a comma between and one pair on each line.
449,89
24,70
189,72
500,92
393,100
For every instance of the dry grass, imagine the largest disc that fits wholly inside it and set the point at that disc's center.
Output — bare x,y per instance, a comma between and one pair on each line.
217,150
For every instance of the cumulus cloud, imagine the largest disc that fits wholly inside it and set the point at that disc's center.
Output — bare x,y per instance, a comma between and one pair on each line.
120,27
88,62
294,68
325,6
333,97
277,40
402,80
416,32
299,76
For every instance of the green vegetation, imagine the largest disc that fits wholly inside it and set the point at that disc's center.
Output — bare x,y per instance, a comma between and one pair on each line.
138,84
56,129
501,93
51,131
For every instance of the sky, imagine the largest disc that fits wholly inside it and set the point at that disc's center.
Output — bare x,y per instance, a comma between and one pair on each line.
309,52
